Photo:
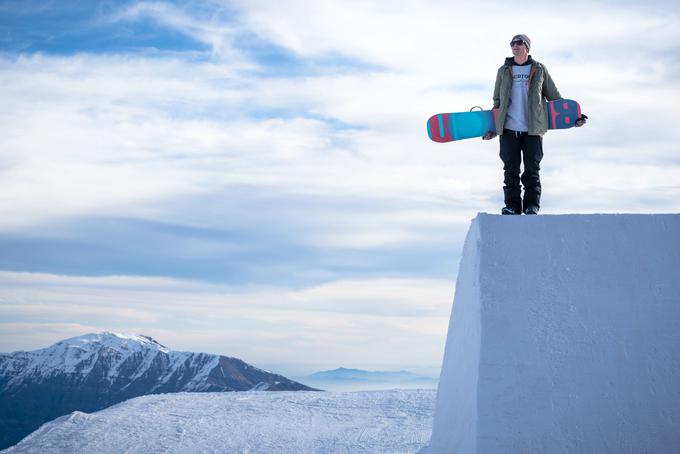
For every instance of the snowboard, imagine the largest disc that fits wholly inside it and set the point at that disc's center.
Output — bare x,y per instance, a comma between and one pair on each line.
447,127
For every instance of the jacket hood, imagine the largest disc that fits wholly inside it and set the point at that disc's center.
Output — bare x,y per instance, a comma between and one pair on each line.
511,61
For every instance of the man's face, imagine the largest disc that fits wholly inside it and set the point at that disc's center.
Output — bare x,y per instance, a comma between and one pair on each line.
519,48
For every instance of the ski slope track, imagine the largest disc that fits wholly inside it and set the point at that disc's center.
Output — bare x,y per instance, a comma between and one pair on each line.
564,337
396,421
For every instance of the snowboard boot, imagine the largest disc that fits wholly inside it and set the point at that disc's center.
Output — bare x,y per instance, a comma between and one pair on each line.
531,209
508,211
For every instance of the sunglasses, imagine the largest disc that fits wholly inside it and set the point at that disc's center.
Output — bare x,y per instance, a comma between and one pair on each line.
518,42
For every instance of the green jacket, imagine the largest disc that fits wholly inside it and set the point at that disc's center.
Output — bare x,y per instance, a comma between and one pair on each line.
541,87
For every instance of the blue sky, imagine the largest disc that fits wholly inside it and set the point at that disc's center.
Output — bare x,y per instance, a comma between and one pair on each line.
255,180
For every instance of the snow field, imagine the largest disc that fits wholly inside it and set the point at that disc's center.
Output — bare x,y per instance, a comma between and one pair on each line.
395,421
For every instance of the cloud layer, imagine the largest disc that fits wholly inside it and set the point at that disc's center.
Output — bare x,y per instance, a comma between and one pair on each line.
270,165
368,322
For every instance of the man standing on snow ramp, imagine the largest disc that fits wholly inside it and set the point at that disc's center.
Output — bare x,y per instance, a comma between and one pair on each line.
522,86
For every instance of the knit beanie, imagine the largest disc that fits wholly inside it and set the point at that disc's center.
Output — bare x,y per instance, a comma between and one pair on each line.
524,38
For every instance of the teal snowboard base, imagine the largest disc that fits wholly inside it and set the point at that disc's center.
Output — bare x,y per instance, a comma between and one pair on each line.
447,127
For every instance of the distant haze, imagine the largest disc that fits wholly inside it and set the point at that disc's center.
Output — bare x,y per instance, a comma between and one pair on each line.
343,379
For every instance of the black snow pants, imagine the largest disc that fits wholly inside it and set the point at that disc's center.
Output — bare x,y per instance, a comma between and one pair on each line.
514,145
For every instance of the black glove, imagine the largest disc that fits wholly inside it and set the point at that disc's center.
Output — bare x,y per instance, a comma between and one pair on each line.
581,121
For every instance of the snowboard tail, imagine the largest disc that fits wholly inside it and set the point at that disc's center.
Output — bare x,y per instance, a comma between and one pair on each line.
563,113
447,127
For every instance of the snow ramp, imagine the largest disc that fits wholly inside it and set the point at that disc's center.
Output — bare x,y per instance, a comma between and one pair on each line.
564,337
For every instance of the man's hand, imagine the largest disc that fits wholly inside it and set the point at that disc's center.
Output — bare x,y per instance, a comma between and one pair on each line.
581,121
489,135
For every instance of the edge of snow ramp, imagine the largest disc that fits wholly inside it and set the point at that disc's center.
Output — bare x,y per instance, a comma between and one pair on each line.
563,337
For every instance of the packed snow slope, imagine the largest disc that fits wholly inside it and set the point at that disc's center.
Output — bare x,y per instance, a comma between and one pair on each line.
397,421
564,337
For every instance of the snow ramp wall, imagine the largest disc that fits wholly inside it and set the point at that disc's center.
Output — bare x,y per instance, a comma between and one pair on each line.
564,337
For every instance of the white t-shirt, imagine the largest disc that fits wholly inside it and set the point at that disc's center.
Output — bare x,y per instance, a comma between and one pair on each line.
517,117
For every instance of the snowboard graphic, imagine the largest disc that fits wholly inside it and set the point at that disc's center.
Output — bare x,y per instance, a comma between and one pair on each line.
447,127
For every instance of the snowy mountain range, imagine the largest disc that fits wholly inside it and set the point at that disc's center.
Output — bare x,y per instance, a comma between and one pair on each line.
343,379
93,371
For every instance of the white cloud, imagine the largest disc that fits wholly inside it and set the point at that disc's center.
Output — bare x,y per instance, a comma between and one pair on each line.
211,29
169,126
89,142
113,134
333,322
